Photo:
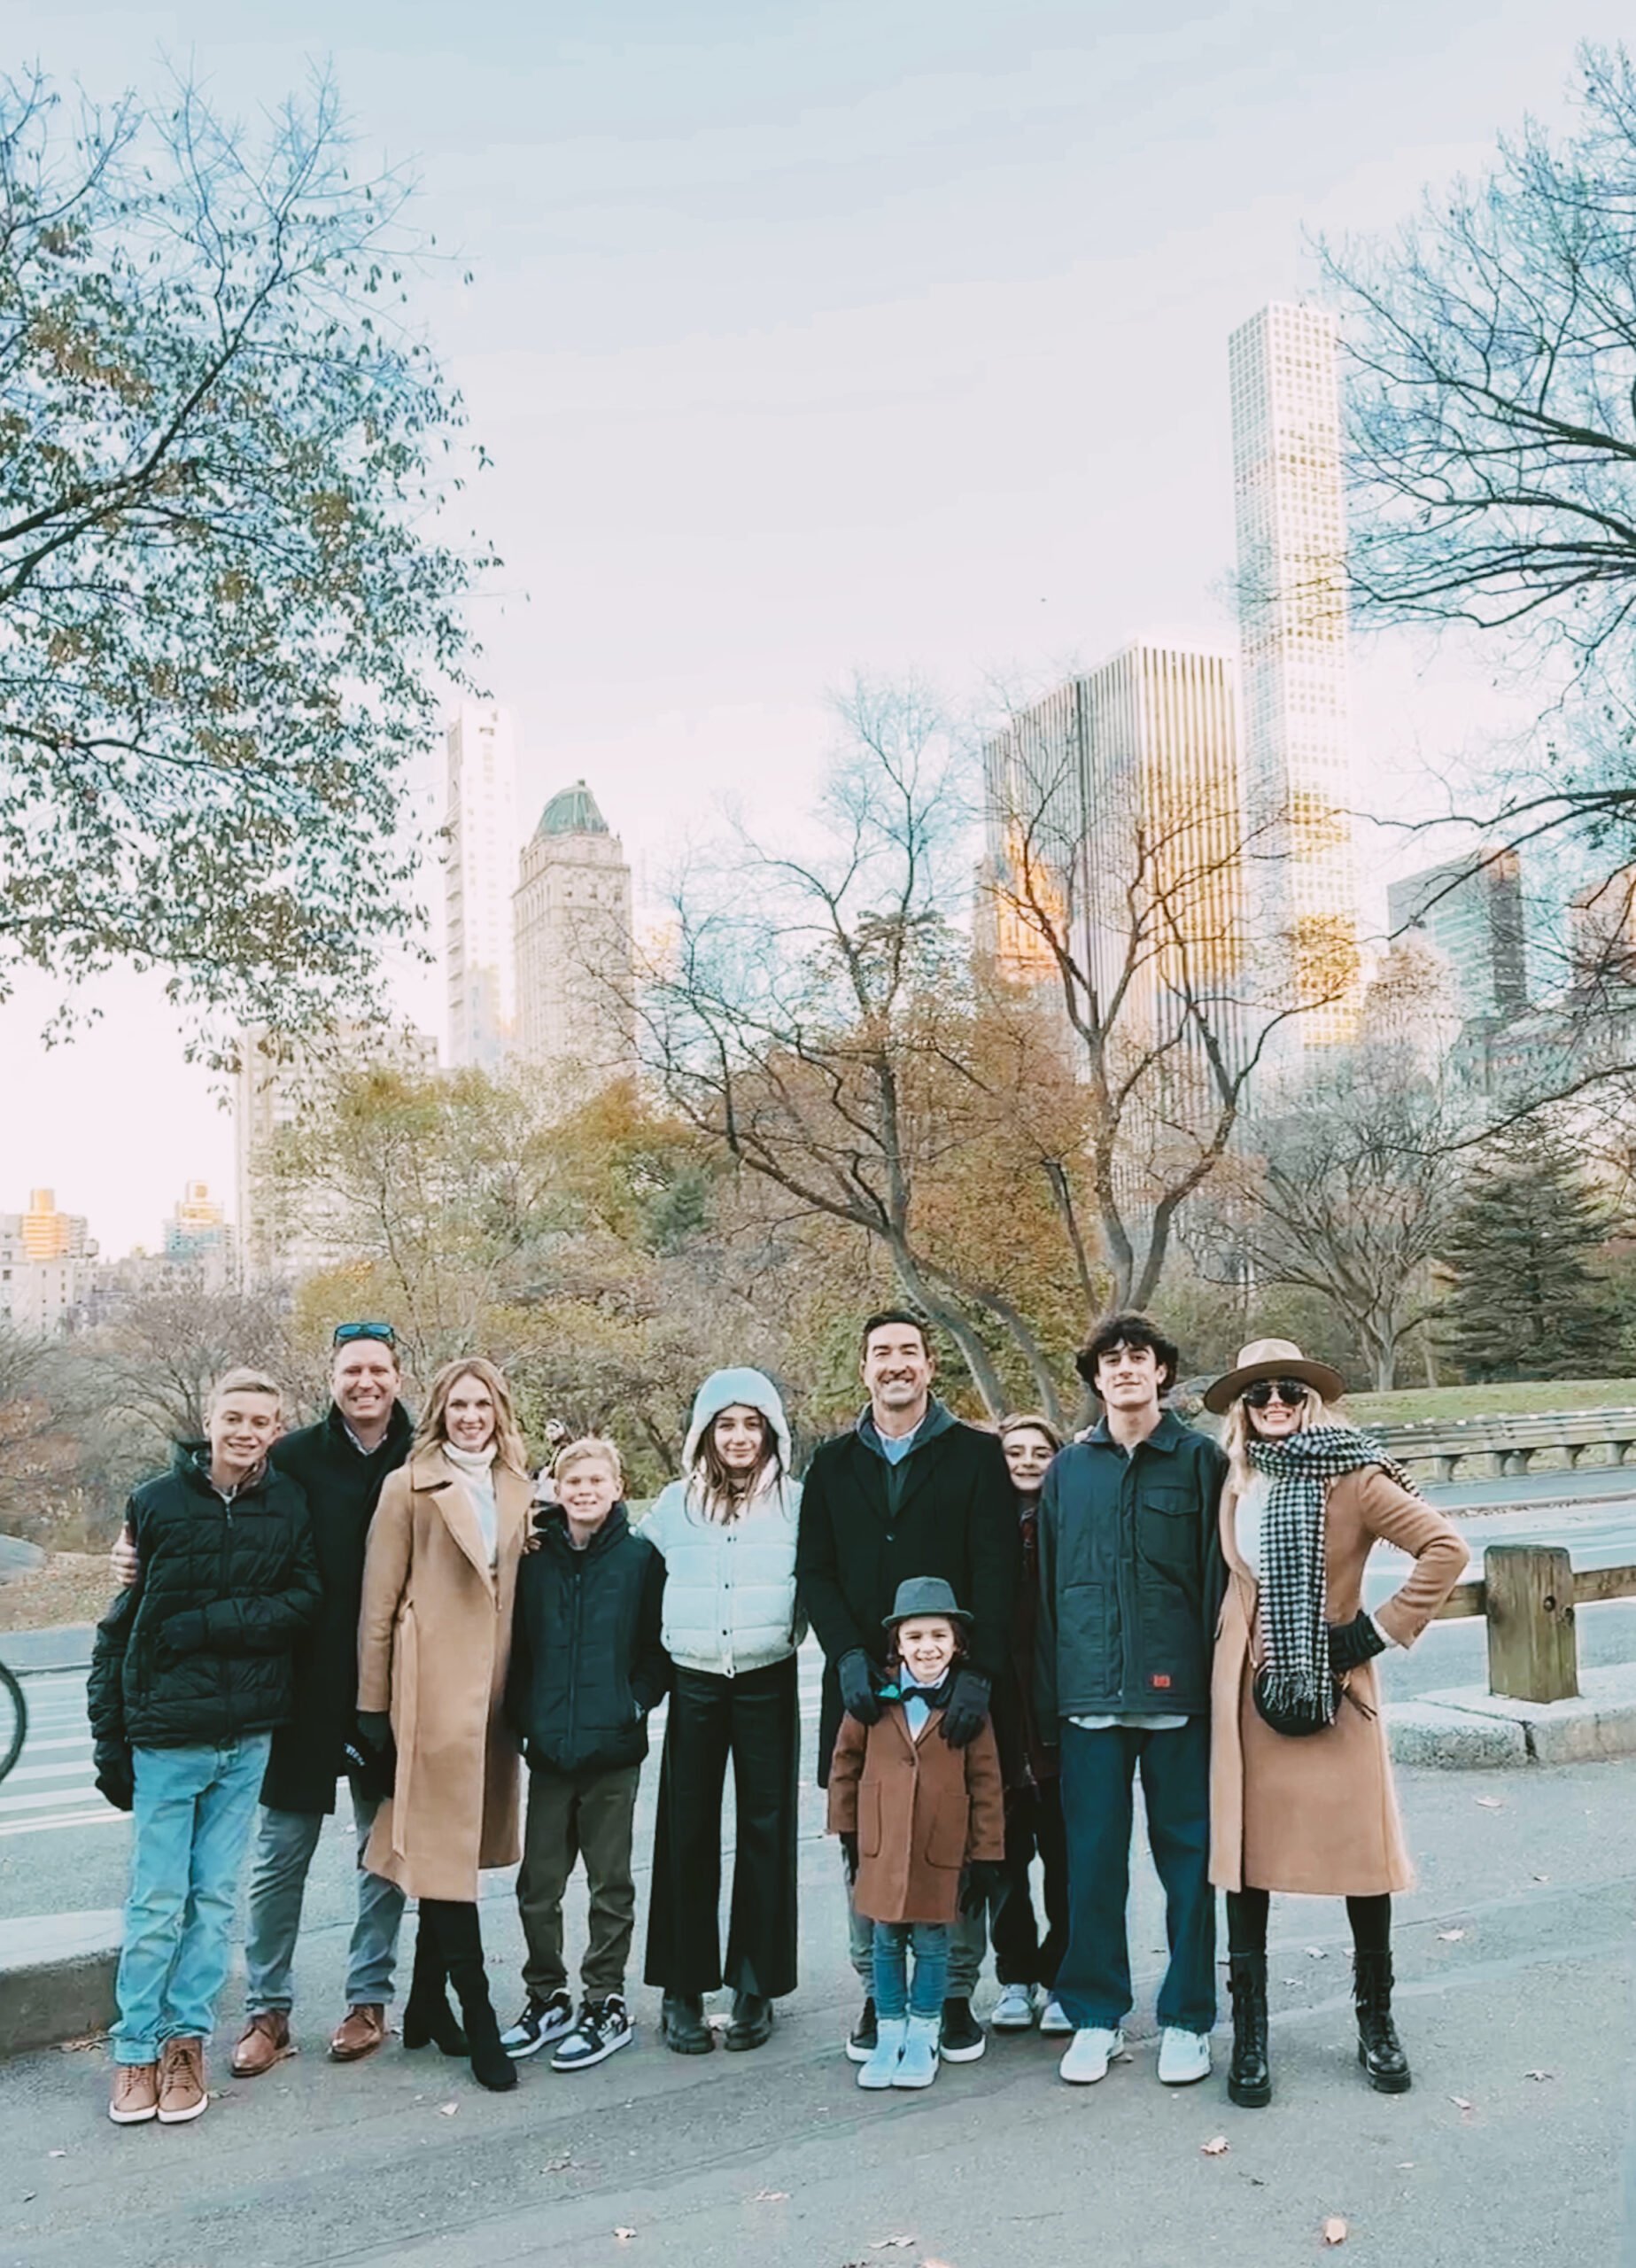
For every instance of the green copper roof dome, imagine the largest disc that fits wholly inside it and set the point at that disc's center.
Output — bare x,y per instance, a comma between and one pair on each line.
572,810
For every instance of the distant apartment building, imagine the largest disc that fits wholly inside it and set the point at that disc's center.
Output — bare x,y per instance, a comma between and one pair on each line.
480,876
1292,540
46,1262
1471,910
197,1239
286,1228
1602,934
573,943
1114,820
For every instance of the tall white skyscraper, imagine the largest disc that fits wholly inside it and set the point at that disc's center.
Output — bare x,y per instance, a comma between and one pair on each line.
480,874
575,990
1283,365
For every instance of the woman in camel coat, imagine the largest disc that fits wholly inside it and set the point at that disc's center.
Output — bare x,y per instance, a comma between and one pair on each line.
434,1644
1311,1810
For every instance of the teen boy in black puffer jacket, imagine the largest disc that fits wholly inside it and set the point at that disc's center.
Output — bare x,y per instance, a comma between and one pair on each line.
587,1665
190,1673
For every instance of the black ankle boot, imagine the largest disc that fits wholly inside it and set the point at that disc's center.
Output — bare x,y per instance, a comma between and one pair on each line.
752,2021
426,2017
1249,2079
1380,2051
459,1943
681,2024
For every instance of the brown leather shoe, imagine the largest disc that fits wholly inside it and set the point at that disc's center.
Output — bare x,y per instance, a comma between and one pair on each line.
359,2034
135,2093
182,2092
264,2041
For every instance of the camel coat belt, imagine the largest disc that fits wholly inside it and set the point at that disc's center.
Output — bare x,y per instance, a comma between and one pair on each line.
434,1644
1319,1815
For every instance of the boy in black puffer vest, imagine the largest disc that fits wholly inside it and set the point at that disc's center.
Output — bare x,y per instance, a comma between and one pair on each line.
190,1673
587,1665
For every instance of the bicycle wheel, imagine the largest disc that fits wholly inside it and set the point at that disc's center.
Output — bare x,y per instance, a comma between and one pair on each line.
13,1720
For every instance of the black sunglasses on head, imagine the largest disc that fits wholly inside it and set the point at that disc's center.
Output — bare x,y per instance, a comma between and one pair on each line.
1291,1392
345,1333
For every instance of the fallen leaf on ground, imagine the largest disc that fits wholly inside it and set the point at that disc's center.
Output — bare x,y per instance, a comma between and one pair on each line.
448,2109
1460,2102
890,2243
1489,1803
625,2236
1215,2148
1406,2165
73,2046
1542,1878
1316,1953
769,2197
57,2154
1450,1937
1539,2074
1335,2230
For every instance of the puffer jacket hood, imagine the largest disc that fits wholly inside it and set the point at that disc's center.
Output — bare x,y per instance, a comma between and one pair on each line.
721,1391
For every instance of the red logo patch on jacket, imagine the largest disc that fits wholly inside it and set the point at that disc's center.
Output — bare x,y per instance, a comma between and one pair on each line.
1161,1679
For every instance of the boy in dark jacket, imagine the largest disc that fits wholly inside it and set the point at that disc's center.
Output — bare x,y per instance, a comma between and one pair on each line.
587,1666
190,1673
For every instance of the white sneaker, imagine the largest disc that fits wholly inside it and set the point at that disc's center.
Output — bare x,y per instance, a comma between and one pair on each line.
1184,2057
1054,2023
881,2069
1089,2053
1013,2011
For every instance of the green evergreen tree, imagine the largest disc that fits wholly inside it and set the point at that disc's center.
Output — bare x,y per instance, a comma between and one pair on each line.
1525,1301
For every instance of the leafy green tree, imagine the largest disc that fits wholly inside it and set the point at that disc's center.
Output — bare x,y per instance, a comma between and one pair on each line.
222,620
1525,1301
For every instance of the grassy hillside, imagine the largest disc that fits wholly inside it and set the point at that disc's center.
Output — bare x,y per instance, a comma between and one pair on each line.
1413,1405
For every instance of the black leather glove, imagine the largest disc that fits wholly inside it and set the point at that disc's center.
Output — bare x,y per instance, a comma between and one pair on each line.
1352,1643
374,1728
984,1879
968,1708
116,1777
849,1852
371,1757
859,1677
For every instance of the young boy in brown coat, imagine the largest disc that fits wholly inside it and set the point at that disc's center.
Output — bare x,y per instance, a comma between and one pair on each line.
922,1825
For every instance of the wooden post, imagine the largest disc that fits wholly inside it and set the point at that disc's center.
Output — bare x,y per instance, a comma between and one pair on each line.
1533,1653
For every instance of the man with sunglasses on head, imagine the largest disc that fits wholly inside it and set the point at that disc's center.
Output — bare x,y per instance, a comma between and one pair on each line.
1131,1581
341,1463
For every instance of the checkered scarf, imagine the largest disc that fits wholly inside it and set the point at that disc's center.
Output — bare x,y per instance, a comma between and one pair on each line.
1295,1637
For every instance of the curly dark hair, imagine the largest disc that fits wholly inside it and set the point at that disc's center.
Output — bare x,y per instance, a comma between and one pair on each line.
1129,1330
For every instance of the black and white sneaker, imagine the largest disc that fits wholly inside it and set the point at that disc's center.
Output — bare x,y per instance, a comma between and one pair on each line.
539,2023
961,2039
603,2026
862,2038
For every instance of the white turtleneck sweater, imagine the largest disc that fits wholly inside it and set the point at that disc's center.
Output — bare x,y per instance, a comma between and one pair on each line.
475,1468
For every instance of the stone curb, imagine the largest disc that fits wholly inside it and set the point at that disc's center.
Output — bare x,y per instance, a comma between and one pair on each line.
1473,1730
57,1979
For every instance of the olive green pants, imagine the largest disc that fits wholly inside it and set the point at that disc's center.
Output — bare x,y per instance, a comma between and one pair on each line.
573,1816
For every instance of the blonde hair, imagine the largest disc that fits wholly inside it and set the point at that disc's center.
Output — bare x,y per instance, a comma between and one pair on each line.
1027,1422
433,1430
245,1380
1236,1433
587,1447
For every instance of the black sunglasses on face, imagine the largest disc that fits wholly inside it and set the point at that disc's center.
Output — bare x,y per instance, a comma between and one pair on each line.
1291,1392
345,1333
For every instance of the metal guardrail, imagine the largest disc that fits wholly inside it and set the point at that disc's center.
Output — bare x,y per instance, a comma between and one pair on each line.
1527,1595
1512,1440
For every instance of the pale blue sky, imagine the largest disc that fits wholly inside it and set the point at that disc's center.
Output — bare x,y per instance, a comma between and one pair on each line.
808,339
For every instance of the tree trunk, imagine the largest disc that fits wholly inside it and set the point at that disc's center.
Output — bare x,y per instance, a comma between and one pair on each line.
984,1376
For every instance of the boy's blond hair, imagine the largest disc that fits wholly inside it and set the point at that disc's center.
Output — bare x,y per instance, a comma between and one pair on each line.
582,1452
245,1380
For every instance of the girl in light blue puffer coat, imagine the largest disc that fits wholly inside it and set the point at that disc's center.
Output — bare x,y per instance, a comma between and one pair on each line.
727,1532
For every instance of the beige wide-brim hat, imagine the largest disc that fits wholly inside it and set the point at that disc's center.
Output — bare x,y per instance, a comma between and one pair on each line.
1272,1358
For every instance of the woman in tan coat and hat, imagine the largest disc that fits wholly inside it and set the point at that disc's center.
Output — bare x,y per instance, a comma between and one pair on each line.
1301,1789
434,1643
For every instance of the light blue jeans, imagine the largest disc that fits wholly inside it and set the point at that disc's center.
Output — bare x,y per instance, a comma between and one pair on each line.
285,1842
191,1820
895,1995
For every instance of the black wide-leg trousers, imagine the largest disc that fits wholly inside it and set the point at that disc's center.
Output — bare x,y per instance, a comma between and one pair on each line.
756,1721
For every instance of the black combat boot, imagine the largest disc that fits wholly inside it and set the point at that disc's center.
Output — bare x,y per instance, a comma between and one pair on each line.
1380,2051
1249,2079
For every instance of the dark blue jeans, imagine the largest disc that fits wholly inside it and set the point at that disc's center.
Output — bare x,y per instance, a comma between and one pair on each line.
895,1995
1098,1772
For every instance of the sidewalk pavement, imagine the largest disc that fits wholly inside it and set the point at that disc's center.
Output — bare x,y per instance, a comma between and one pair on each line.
1514,1961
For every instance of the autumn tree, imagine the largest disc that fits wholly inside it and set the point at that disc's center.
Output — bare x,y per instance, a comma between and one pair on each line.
223,609
817,1017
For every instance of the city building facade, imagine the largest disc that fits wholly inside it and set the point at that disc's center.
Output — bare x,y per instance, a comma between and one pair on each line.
1472,911
576,1005
46,1265
1292,542
480,875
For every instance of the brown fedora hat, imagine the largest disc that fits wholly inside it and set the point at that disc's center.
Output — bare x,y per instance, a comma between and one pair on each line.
1272,1358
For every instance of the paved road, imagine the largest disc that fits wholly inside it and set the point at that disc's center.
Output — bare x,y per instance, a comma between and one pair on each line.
1515,1993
